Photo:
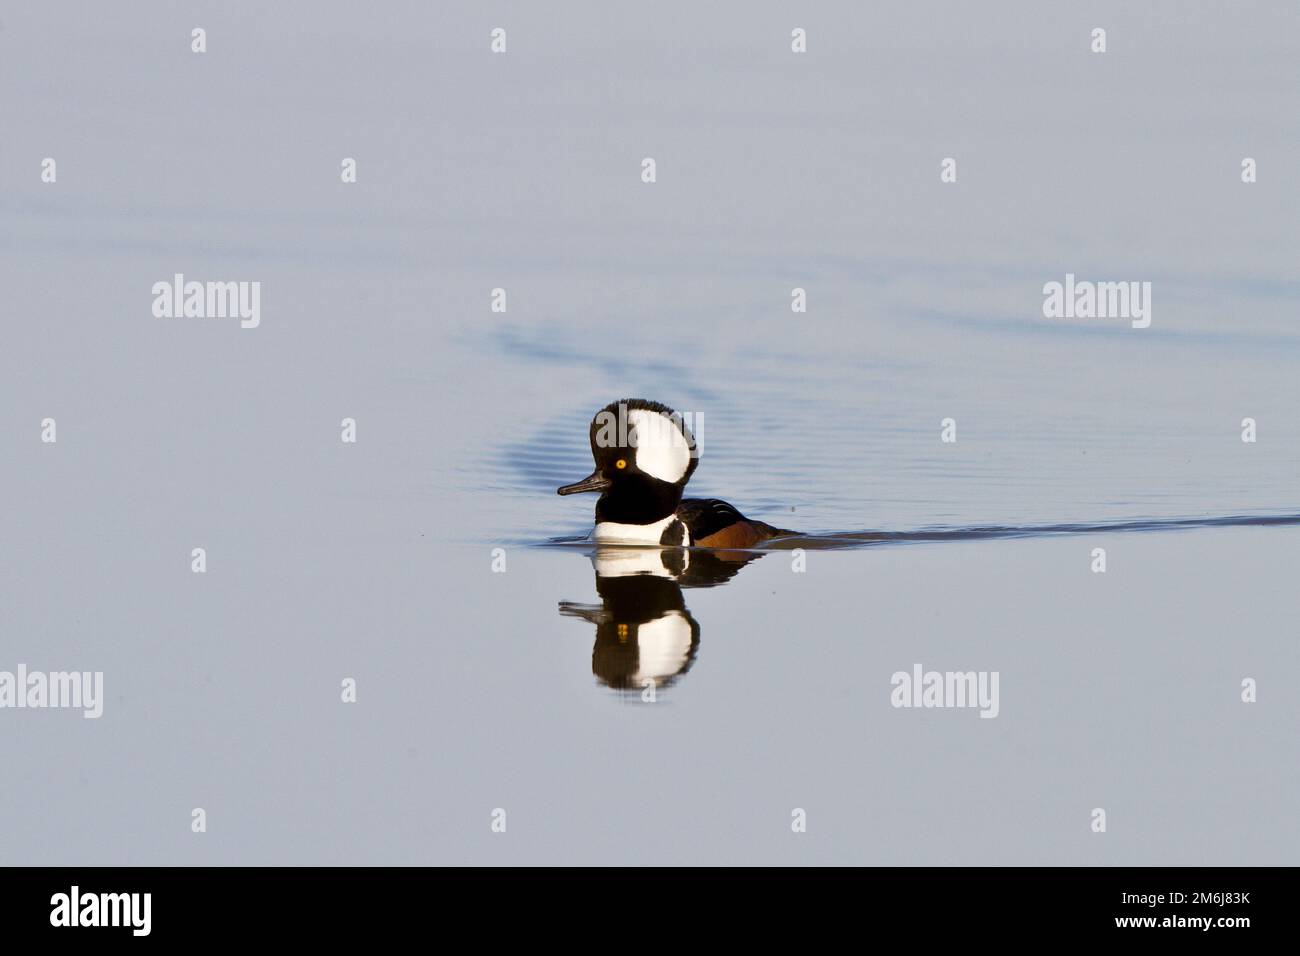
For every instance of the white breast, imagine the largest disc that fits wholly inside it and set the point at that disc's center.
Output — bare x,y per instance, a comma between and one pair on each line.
611,532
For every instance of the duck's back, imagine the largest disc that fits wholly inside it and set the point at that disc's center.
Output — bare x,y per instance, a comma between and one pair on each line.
713,523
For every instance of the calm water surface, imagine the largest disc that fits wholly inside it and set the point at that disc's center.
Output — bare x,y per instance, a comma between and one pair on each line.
523,690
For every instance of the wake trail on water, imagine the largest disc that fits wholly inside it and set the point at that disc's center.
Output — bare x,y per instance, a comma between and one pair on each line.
991,532
857,539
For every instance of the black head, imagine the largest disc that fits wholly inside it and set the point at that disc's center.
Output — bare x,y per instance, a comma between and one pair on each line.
644,456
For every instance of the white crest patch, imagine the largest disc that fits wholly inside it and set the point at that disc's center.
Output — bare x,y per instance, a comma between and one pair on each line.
661,449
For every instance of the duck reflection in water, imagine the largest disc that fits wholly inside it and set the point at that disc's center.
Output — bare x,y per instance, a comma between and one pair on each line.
645,634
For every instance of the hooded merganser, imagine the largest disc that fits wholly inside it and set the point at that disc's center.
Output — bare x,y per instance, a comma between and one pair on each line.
644,456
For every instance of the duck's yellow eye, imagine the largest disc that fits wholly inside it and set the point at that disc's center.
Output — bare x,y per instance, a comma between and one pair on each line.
621,464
